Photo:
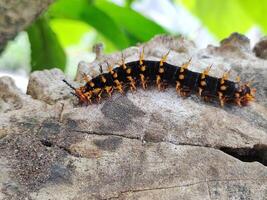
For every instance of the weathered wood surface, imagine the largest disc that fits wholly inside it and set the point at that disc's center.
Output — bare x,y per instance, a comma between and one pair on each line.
146,145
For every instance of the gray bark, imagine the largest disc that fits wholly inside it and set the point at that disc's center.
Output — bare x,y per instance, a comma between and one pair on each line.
16,15
146,145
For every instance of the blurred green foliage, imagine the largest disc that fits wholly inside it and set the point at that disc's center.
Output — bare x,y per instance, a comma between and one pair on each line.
118,27
63,27
45,48
222,17
121,26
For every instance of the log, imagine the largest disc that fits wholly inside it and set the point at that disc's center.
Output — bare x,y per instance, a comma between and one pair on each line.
145,145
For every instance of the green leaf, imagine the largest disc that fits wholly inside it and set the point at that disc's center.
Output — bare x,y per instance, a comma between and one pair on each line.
62,27
136,25
128,3
46,51
84,11
256,9
105,25
221,17
67,9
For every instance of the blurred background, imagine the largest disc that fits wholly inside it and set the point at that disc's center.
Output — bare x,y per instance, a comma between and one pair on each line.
67,31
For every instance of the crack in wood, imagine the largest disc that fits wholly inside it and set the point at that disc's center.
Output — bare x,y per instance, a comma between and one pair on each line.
183,185
257,153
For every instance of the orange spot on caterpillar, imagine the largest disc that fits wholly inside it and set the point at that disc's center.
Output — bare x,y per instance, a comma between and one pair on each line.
103,79
91,84
161,70
181,76
115,75
128,71
143,68
203,83
223,87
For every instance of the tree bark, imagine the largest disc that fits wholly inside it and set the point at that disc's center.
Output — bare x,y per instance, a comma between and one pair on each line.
146,145
16,15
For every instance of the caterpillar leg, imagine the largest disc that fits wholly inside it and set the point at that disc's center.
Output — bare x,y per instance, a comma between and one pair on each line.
97,92
207,98
160,84
238,102
185,92
118,86
131,83
143,81
108,90
200,90
221,99
178,87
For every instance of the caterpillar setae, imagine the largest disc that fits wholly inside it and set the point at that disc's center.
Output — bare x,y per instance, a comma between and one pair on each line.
148,72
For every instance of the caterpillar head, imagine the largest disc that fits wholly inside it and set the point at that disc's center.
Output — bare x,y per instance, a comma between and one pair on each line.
83,97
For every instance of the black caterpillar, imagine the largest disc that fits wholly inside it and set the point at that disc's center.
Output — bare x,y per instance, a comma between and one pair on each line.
148,72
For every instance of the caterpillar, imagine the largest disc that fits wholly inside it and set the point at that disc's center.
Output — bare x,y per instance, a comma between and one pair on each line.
128,76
